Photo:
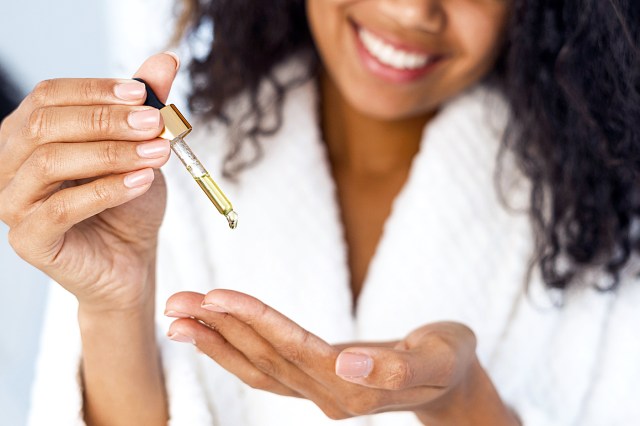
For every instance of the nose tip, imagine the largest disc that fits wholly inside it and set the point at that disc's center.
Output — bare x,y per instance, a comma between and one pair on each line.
423,15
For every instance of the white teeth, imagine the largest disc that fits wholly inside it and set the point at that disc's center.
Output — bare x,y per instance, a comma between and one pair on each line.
389,55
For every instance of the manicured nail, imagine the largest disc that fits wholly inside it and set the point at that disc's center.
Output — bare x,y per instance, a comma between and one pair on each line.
155,149
145,119
139,178
175,57
177,337
176,314
352,365
130,91
213,308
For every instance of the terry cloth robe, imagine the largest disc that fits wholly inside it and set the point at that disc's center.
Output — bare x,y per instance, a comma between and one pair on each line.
450,250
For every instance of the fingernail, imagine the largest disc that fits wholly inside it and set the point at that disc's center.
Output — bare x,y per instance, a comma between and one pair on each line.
145,119
213,308
155,149
139,178
129,91
177,337
174,56
176,314
353,365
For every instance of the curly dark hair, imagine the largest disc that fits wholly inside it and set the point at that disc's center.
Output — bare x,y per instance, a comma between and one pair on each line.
570,70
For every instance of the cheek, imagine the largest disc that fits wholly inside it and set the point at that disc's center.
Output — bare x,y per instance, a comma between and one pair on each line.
479,34
325,20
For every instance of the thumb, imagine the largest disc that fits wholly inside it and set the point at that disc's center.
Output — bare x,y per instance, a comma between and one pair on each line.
158,72
393,369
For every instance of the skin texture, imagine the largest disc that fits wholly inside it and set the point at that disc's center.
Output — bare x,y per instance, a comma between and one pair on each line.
433,372
69,159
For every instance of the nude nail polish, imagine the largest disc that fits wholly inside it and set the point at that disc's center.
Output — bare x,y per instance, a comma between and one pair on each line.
353,365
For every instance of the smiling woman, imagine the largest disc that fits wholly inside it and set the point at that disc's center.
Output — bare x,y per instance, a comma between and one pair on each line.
362,139
360,44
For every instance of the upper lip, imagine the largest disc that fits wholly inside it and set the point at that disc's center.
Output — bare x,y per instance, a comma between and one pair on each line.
397,42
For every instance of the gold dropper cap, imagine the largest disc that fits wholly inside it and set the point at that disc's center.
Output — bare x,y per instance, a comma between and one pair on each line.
175,125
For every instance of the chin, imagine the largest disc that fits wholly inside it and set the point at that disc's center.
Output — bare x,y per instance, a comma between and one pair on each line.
384,107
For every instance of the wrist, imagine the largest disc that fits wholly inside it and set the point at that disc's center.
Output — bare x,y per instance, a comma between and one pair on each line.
474,401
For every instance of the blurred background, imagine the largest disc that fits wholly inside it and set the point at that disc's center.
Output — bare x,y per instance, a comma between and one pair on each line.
40,39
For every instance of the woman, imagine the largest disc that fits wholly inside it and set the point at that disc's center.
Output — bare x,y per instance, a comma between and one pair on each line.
410,115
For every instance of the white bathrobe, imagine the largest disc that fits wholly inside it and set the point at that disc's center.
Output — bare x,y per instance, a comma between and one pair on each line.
449,251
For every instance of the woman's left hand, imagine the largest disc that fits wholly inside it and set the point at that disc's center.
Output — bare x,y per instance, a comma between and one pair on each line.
433,372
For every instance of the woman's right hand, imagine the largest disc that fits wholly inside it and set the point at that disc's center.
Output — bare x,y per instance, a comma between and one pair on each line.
78,187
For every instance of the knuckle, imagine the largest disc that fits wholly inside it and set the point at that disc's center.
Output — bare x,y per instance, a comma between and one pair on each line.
447,365
292,352
111,154
258,380
59,210
102,192
446,357
8,214
266,365
91,89
5,123
38,124
100,118
400,375
43,162
42,91
16,241
259,314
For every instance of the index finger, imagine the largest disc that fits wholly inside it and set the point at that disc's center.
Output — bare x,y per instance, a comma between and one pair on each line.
291,341
87,91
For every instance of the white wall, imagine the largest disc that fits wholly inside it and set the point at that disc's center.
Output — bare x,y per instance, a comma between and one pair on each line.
42,39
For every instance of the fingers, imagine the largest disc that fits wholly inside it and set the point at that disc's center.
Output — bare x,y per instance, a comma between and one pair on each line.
312,354
92,123
212,344
159,72
52,164
259,352
236,347
384,368
80,110
40,236
85,91
435,356
379,378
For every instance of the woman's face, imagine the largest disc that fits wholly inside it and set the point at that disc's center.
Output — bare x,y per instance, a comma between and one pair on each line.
394,59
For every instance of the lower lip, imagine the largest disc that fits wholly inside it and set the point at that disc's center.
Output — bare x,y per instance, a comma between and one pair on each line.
385,72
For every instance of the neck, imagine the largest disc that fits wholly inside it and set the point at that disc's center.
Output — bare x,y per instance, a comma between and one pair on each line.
363,145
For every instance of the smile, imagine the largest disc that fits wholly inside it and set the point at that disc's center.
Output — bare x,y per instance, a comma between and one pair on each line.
391,60
390,55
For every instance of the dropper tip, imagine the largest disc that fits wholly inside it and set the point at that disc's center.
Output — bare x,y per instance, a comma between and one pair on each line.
232,218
